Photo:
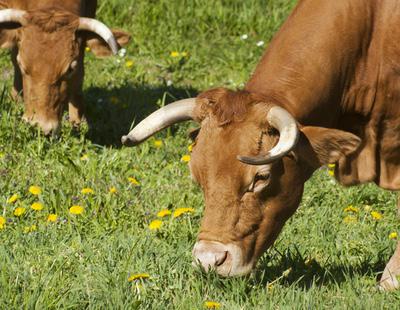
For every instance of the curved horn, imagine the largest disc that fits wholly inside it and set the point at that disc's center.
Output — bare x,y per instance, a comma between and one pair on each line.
173,113
93,25
12,16
281,120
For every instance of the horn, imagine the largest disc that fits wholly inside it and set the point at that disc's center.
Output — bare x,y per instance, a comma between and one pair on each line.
281,120
168,115
93,25
12,16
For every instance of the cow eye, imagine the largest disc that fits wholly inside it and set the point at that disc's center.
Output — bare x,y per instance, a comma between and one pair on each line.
260,181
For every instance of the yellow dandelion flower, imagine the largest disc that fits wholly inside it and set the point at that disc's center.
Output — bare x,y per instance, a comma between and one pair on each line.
87,190
138,276
184,54
350,208
190,148
133,181
331,172
178,212
158,143
87,49
212,304
35,190
76,210
332,166
85,157
37,206
2,226
175,54
350,219
376,215
19,211
185,158
2,220
112,190
52,218
164,213
392,235
155,225
270,287
29,229
129,63
13,198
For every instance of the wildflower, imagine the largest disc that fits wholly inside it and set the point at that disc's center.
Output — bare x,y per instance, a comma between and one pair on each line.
287,272
85,157
133,181
185,158
37,206
350,219
331,166
52,218
178,212
392,235
367,208
155,225
190,148
260,43
2,222
174,54
158,143
138,276
350,208
164,213
13,198
29,229
244,36
331,172
129,63
87,190
122,52
184,54
87,49
112,190
169,82
76,210
270,286
19,211
35,190
309,262
212,305
376,215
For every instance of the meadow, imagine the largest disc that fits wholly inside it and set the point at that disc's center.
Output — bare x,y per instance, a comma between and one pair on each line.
77,213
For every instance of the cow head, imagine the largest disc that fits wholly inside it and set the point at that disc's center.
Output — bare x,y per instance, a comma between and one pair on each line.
50,46
251,160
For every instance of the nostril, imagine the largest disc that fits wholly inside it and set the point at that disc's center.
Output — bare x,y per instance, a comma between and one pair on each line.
221,258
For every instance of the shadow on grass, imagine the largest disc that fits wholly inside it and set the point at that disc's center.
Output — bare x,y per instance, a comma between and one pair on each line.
111,113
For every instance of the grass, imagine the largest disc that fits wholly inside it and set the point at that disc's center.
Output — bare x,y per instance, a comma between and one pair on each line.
84,261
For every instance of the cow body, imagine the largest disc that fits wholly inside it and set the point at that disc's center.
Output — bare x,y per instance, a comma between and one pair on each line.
332,73
47,54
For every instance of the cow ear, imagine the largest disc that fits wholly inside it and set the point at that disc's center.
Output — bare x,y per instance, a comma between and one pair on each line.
100,48
320,146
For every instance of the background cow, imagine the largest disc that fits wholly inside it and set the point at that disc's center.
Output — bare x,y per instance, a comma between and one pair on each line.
326,91
48,39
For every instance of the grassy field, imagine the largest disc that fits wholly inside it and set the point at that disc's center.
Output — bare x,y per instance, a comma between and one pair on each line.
326,257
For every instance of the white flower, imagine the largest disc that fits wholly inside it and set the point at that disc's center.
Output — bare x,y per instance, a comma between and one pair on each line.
244,36
169,83
260,43
122,52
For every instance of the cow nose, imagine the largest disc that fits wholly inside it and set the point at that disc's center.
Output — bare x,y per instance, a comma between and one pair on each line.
48,127
210,254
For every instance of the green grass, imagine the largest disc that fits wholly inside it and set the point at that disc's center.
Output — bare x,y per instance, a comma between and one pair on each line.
84,261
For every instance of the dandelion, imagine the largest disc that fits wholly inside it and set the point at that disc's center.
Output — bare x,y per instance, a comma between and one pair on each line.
133,181
85,157
87,49
164,213
138,276
37,206
76,210
112,190
29,229
175,54
2,222
244,36
350,208
87,190
129,63
331,172
184,54
52,218
392,235
158,143
155,225
19,211
190,148
13,198
350,219
185,158
35,190
260,43
376,215
178,212
270,287
212,304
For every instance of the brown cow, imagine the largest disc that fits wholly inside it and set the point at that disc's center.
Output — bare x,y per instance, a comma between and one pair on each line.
327,90
48,39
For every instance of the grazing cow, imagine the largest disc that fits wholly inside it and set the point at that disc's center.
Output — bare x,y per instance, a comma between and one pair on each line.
327,90
48,39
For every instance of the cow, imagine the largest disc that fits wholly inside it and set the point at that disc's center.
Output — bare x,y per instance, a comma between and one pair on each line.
47,39
327,90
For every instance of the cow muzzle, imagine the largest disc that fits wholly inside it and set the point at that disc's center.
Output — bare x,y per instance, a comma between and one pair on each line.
225,259
48,127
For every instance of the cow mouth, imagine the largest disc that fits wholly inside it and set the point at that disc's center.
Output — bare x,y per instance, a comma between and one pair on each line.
224,259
